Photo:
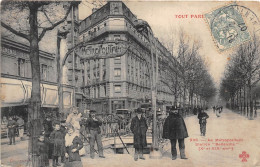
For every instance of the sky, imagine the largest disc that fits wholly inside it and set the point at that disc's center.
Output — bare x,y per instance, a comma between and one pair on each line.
164,19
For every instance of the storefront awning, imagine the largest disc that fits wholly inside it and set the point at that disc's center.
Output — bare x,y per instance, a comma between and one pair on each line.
16,92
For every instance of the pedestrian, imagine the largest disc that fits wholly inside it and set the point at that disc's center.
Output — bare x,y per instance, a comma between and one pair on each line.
174,128
57,138
218,111
73,144
48,128
20,123
203,116
4,125
11,125
42,151
139,128
94,132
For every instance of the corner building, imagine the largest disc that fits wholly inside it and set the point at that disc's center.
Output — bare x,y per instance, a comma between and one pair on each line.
122,82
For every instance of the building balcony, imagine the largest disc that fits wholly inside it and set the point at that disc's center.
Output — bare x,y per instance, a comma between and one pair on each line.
88,37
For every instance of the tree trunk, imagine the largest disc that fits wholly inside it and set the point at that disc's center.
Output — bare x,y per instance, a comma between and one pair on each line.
184,95
240,101
237,105
250,100
175,89
244,108
35,101
59,78
247,106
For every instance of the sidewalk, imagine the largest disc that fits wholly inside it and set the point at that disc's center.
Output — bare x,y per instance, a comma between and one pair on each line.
229,126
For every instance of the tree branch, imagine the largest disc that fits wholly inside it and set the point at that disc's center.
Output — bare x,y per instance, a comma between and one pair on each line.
47,17
20,34
55,24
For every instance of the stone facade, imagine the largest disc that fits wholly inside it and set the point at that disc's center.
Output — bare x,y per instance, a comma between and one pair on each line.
124,81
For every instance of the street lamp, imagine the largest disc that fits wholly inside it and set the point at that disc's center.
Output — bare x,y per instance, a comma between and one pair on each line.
142,26
61,34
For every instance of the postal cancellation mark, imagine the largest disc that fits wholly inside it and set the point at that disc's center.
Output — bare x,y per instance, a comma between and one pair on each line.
227,27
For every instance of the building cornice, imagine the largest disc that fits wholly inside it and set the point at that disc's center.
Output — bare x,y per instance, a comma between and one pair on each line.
24,48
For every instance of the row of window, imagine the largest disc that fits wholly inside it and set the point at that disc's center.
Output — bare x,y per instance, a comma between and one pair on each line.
21,69
117,90
137,70
92,31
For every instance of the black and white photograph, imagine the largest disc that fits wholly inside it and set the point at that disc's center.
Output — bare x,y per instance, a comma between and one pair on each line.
130,83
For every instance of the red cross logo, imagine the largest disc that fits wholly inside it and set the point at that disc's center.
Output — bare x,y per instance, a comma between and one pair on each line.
244,156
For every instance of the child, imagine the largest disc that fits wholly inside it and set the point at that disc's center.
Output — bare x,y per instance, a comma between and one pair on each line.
57,138
42,151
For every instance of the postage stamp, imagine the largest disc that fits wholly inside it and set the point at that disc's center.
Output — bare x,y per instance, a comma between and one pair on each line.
227,27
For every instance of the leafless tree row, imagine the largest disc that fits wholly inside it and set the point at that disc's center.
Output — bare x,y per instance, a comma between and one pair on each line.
240,85
193,78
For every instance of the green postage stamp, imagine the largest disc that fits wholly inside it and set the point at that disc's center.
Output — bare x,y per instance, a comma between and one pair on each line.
227,27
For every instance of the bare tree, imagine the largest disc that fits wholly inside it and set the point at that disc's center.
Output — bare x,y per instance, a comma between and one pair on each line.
187,71
31,20
243,72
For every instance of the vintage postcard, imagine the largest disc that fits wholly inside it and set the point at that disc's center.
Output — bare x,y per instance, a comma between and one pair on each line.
109,83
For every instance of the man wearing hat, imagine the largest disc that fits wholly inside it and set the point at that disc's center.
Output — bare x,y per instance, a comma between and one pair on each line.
93,129
139,128
11,125
174,128
202,116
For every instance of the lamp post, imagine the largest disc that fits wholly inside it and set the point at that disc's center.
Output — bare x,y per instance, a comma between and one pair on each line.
61,34
143,27
155,153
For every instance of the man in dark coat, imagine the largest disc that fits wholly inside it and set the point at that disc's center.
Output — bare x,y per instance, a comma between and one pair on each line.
203,121
139,128
174,128
11,125
94,132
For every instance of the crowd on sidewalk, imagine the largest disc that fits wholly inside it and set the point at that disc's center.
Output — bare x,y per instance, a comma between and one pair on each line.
64,139
61,141
13,126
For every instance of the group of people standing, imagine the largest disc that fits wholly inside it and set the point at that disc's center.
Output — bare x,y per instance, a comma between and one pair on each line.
174,128
63,139
14,125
